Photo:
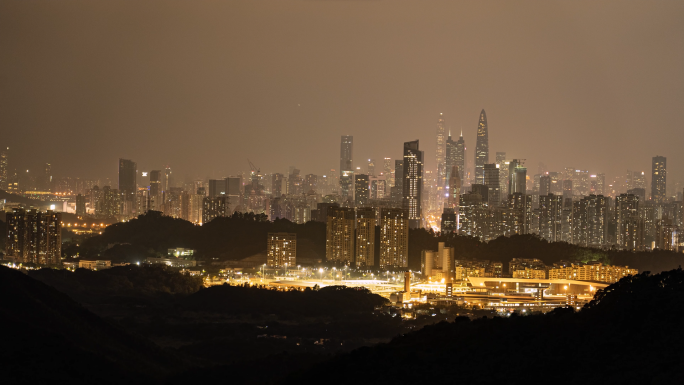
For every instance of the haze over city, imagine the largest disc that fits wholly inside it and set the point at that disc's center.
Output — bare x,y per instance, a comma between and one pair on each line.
202,86
341,192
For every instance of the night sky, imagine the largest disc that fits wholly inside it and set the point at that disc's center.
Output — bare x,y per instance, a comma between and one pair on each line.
204,85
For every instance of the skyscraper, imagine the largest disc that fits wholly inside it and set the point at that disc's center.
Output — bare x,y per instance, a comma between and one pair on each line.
346,166
4,171
277,185
481,148
517,177
413,182
371,167
455,156
127,183
387,172
491,178
440,154
398,189
454,190
449,223
658,179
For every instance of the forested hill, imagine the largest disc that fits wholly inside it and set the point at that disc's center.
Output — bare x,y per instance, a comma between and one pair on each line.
244,235
630,333
49,338
224,238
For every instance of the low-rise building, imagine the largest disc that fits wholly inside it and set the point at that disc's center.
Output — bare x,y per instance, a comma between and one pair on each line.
95,265
596,271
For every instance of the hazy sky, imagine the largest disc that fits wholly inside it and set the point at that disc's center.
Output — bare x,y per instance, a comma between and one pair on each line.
204,85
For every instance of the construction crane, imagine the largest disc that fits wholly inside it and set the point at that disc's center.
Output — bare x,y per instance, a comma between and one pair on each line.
253,168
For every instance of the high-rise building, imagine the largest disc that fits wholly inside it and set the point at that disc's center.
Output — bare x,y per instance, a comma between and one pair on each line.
567,189
365,237
168,181
214,208
629,225
339,240
503,173
517,177
346,166
80,205
281,249
394,231
398,189
491,180
597,184
34,237
481,148
128,187
544,185
361,190
455,156
454,189
277,185
370,168
590,221
658,179
550,216
440,153
109,204
45,182
413,182
472,215
387,173
310,183
4,168
378,187
156,196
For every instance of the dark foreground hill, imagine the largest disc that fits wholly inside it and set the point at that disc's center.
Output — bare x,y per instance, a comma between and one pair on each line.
49,338
631,333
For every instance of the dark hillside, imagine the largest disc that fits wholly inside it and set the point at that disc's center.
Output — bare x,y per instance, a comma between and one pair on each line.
630,333
49,338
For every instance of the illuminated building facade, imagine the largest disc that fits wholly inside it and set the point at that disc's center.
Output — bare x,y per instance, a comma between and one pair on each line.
339,240
455,156
4,168
394,231
491,180
440,152
281,249
413,182
658,179
550,217
34,237
592,272
346,166
365,237
481,148
388,173
590,221
214,208
156,197
629,224
361,190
